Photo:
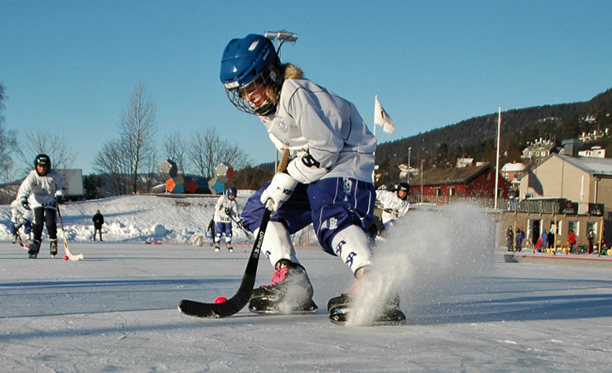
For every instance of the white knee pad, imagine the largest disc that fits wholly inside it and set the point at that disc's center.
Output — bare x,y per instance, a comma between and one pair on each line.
277,243
351,245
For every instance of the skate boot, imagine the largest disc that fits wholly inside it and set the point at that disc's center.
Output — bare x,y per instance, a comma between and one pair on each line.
229,247
290,293
14,239
33,249
217,247
387,313
53,247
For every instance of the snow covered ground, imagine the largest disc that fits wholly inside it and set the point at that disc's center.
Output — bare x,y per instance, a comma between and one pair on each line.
117,309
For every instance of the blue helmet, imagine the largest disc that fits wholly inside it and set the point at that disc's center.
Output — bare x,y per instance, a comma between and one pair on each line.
231,191
250,73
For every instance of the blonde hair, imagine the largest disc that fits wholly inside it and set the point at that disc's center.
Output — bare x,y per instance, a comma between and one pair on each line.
287,71
291,71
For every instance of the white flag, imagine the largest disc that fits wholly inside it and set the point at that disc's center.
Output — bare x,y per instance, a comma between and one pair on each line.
382,118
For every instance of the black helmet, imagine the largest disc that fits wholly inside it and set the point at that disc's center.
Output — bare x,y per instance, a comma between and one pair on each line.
403,186
42,160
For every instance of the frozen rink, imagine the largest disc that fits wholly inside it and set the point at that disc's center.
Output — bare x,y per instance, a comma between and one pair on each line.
117,311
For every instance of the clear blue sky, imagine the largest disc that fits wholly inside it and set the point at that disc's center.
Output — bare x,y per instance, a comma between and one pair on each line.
71,66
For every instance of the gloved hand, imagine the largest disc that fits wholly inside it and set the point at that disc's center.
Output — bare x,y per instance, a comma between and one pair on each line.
239,224
25,204
58,198
21,223
279,191
228,211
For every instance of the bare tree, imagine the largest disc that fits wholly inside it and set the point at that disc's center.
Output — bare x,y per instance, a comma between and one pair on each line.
8,144
110,160
174,147
137,129
207,150
49,143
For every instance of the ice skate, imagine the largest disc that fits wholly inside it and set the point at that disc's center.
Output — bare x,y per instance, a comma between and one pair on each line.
217,247
229,247
290,292
33,249
53,247
14,239
387,313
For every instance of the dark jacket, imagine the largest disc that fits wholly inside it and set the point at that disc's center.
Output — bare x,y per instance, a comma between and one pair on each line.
98,220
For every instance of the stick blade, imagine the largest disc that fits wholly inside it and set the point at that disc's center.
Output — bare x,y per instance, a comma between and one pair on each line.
70,255
220,310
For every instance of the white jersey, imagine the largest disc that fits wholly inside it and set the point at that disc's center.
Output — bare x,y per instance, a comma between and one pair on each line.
41,190
224,205
18,212
325,131
393,206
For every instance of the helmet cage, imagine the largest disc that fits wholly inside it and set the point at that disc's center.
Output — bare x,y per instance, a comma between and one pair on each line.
44,161
231,192
405,187
259,96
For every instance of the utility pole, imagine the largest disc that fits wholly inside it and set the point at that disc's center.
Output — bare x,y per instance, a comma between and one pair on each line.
497,158
409,174
281,37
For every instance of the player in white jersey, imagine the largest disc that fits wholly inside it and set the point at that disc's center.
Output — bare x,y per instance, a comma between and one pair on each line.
395,203
20,217
226,211
328,182
41,191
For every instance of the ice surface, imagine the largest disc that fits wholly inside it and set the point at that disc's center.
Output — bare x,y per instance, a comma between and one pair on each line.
117,309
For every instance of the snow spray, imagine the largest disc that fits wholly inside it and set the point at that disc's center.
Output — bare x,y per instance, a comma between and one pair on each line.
427,254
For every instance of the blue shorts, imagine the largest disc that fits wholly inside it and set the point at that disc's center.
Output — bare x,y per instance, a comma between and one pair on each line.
329,204
223,228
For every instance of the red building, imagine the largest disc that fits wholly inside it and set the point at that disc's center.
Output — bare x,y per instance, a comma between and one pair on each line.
475,181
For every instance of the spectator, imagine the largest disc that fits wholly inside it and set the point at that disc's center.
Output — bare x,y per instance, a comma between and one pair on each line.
520,237
510,239
571,241
98,220
551,239
591,238
544,237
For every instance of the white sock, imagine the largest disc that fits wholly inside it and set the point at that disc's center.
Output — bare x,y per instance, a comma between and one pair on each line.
351,244
277,243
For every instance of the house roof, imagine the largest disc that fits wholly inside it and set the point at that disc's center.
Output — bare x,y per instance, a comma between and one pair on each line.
601,167
457,175
513,167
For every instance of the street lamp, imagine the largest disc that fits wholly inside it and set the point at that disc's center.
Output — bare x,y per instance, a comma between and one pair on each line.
408,176
409,149
281,37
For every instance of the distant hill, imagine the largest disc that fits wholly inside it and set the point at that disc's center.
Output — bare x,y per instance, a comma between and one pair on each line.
476,137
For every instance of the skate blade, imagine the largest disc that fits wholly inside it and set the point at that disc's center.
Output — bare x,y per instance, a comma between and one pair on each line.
340,316
277,312
263,307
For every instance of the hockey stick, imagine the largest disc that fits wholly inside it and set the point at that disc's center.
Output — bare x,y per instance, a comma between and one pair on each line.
241,298
248,234
243,295
19,238
66,249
